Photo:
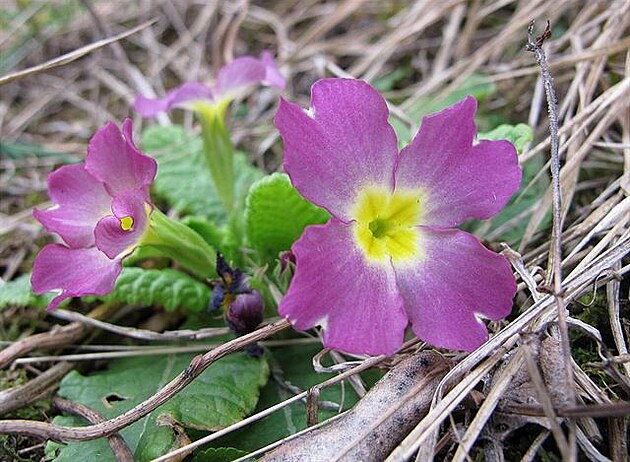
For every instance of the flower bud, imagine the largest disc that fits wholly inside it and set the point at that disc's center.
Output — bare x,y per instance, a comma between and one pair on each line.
245,312
287,260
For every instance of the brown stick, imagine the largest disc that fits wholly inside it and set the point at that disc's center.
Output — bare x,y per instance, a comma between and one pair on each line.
116,442
44,384
196,367
555,252
56,337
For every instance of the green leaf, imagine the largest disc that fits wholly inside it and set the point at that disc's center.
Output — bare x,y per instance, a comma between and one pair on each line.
389,81
167,287
223,394
20,294
183,179
25,151
293,364
276,214
220,238
519,135
218,455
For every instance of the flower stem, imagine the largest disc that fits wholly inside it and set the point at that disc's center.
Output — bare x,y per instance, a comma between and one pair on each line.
180,243
218,150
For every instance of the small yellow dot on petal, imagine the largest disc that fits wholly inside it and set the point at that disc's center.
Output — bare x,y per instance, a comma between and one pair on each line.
126,223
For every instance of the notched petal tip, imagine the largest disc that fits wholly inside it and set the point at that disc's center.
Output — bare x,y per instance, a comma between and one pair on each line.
459,282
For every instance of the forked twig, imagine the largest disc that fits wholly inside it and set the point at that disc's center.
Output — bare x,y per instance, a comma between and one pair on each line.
116,442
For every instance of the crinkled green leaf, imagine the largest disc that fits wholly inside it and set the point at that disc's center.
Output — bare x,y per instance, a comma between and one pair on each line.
19,293
519,135
276,214
183,179
223,394
167,287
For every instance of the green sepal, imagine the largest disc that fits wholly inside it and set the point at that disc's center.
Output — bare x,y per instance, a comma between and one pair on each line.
181,244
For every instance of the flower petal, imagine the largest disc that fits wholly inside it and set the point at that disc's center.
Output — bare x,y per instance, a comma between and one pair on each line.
81,201
457,281
182,96
236,76
460,180
130,213
273,77
74,272
346,145
357,304
114,159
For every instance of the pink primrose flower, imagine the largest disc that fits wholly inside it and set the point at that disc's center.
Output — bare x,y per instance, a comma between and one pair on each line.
232,79
101,211
390,255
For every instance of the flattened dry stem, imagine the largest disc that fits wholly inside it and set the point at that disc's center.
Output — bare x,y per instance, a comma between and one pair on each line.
373,428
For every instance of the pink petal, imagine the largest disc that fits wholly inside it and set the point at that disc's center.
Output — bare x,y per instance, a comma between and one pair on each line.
243,72
358,305
80,200
461,180
114,159
74,272
456,279
346,145
273,77
182,96
111,238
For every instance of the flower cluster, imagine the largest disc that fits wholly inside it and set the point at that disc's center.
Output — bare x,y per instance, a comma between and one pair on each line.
101,211
390,254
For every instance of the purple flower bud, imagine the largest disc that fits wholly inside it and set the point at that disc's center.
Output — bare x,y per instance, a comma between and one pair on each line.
246,312
234,280
287,259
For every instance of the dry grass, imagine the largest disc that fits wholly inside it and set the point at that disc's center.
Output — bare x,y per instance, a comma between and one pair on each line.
440,44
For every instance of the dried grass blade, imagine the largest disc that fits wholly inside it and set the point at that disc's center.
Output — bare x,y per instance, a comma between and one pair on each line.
73,55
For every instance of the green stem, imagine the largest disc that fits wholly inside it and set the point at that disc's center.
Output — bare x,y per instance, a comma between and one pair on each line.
218,150
180,243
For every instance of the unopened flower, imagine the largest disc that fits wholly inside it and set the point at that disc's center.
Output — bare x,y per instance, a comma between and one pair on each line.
101,210
390,254
232,80
245,313
233,282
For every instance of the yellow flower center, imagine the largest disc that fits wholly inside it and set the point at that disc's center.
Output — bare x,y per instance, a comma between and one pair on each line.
126,223
385,224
